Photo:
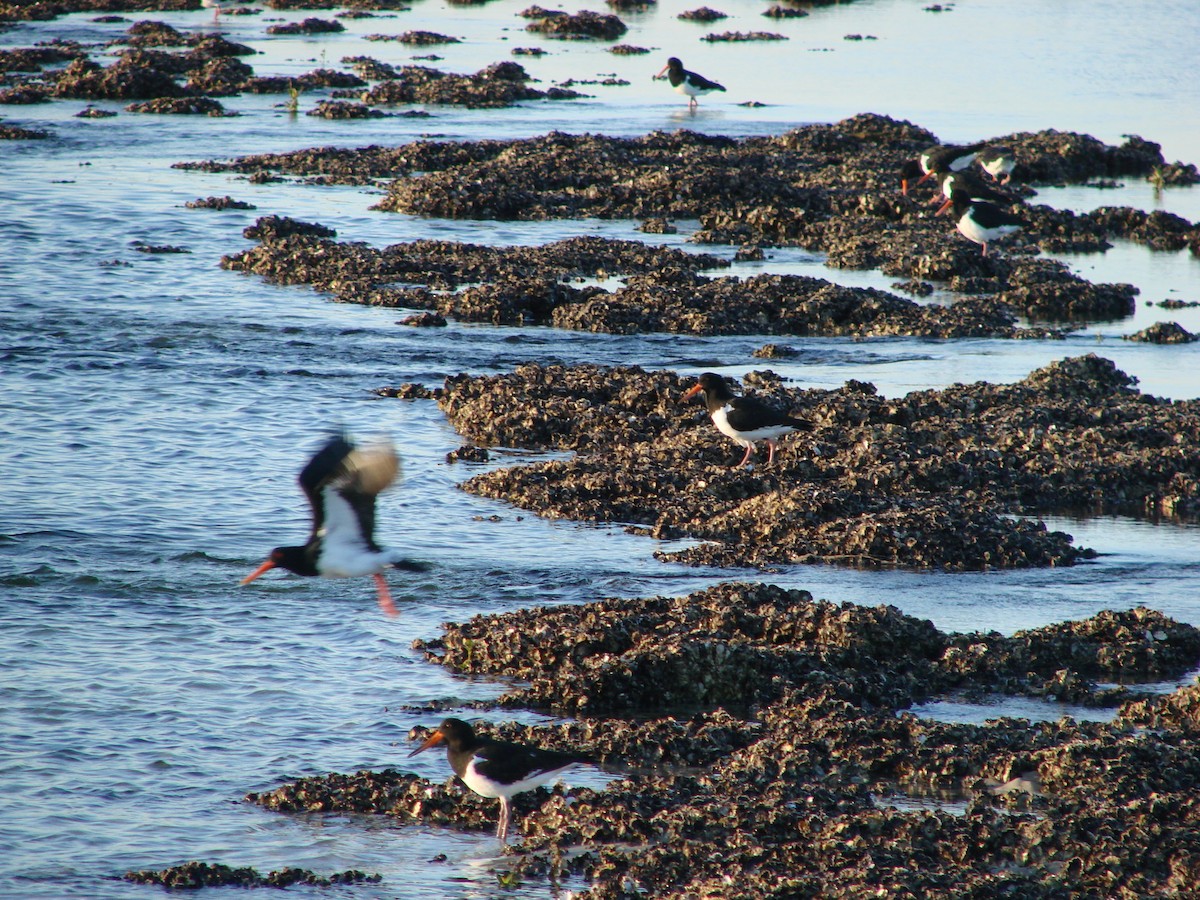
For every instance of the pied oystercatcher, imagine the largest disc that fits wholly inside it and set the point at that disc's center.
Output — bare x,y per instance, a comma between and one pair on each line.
494,768
341,482
998,162
690,84
935,160
744,419
980,221
976,189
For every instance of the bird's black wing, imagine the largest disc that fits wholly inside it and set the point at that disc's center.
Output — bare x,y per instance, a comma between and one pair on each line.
988,215
510,763
703,83
748,414
325,464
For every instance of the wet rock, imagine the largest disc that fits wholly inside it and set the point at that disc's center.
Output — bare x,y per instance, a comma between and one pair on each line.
92,112
467,453
125,79
775,351
17,133
415,38
742,36
34,59
219,203
702,14
194,875
425,320
500,84
24,95
338,109
148,33
274,228
785,12
221,77
310,25
658,226
1163,333
187,106
628,50
371,69
581,25
409,391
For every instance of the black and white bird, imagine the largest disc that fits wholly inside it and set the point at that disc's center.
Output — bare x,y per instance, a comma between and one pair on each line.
744,419
935,160
976,188
690,84
980,221
998,162
494,768
341,482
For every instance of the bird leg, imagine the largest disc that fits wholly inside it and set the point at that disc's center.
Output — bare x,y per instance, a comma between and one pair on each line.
502,828
692,103
771,450
749,450
985,248
385,597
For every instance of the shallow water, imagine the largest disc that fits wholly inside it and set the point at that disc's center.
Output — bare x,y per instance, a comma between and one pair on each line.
154,410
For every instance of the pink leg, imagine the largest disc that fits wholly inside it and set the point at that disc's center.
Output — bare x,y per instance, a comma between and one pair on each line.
771,451
502,828
749,450
985,248
385,597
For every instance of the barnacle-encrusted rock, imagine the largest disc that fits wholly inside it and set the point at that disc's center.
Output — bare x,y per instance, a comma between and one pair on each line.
1163,333
196,874
581,25
922,480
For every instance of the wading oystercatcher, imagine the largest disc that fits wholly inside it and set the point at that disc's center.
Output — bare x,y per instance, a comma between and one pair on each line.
215,6
690,84
497,768
935,160
998,162
341,482
980,221
744,419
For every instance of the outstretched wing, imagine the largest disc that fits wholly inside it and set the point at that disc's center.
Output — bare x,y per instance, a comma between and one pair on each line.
341,482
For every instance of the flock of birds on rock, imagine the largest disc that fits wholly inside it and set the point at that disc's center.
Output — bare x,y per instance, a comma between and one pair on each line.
976,206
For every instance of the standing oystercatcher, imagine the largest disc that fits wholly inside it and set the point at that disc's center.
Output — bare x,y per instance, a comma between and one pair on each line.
215,6
744,419
980,221
341,482
687,83
497,768
976,189
998,162
935,160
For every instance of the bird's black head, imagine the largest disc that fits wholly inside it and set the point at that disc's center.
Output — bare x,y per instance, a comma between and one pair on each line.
294,559
674,63
960,200
910,171
714,387
455,733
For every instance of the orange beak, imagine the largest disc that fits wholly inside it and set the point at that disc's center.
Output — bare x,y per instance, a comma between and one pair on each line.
691,392
941,210
432,741
265,567
663,71
904,186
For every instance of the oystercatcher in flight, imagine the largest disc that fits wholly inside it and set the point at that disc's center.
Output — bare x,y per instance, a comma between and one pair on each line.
341,482
980,221
744,419
497,768
998,162
935,160
687,83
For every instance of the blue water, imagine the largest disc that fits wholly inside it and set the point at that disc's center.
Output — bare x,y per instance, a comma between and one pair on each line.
154,411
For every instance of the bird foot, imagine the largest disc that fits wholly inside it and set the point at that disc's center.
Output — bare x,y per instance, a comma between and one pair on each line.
385,597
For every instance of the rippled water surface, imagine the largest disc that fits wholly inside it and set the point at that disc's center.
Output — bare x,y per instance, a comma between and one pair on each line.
154,410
